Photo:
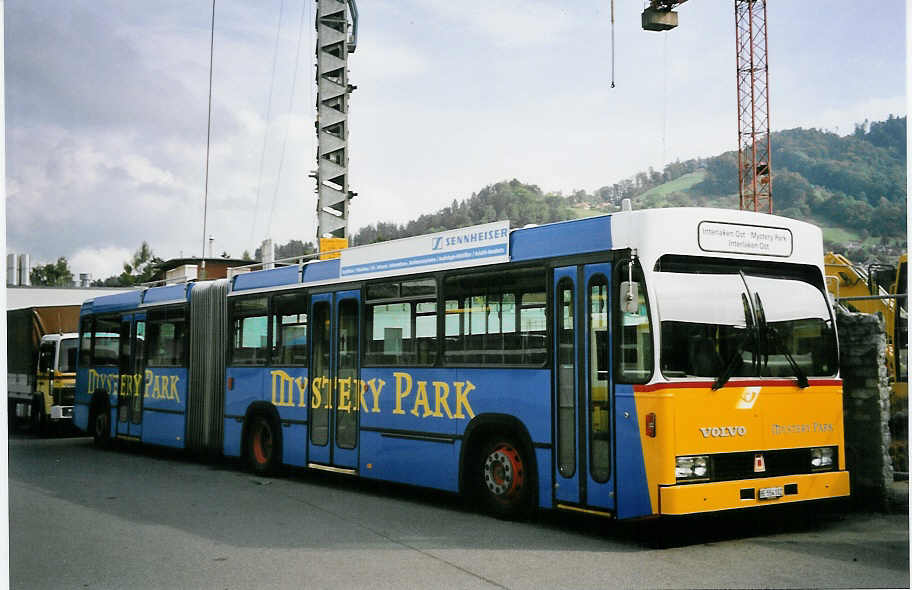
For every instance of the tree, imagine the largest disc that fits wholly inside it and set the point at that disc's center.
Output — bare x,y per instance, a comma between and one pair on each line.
141,267
52,275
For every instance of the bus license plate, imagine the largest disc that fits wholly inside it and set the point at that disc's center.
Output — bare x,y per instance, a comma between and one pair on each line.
770,493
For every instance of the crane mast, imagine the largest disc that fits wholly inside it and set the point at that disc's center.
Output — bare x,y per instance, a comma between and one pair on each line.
337,36
754,182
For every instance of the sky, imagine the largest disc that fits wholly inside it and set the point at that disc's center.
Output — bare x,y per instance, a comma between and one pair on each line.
106,108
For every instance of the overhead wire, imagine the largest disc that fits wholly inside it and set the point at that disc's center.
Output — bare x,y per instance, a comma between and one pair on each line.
664,95
208,130
275,54
294,80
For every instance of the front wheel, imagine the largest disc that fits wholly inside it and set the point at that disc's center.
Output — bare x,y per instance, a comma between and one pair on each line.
263,446
504,478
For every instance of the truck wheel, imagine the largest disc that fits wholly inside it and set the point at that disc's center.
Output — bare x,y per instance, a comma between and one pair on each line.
504,480
12,420
39,420
101,426
264,448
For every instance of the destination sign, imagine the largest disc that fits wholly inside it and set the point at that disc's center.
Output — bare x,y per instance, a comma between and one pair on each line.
736,238
471,246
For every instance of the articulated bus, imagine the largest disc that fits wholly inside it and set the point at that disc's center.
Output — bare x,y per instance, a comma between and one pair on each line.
645,363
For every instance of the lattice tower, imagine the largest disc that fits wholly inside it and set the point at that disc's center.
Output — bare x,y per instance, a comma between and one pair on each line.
754,180
333,23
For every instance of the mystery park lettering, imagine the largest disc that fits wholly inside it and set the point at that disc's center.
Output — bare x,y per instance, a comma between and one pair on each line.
438,399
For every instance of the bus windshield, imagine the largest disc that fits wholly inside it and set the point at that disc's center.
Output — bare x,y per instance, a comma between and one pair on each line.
743,326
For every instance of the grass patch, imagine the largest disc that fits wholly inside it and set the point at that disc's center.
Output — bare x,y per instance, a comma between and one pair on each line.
678,185
840,235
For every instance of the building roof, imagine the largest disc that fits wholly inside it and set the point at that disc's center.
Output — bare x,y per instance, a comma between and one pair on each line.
24,297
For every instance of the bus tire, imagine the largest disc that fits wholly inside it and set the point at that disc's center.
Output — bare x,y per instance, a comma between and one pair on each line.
504,478
263,445
100,423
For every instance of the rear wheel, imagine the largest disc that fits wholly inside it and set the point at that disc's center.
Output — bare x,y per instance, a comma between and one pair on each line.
101,426
504,479
263,446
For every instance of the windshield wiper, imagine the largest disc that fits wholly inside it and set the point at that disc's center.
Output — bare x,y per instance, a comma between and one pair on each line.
768,331
733,361
796,369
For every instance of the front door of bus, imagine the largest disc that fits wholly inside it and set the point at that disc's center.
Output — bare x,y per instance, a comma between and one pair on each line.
583,408
334,374
132,364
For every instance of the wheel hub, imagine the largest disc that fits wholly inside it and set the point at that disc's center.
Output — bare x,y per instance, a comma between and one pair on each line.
503,471
262,444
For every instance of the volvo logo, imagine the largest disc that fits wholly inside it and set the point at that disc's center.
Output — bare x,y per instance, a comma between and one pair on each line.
723,431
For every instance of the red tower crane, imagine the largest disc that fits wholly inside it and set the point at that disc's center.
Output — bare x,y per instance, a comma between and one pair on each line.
754,179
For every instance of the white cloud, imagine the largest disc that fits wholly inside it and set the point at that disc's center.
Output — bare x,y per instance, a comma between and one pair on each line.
509,23
100,262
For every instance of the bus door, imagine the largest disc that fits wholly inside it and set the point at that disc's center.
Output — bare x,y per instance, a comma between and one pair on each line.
131,382
583,470
334,374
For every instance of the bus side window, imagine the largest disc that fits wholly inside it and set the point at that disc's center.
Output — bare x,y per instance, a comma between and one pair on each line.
249,331
166,338
105,341
495,319
633,340
289,330
401,323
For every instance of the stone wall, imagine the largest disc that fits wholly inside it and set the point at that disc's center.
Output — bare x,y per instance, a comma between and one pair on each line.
866,405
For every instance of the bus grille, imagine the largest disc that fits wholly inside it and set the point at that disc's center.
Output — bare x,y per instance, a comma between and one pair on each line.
731,466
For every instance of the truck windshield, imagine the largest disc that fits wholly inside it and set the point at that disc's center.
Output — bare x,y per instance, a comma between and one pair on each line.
46,356
712,324
67,360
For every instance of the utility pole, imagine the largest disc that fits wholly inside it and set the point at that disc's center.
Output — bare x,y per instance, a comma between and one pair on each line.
337,36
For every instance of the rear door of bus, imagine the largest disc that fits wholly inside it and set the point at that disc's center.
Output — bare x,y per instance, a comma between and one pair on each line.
334,373
583,401
132,364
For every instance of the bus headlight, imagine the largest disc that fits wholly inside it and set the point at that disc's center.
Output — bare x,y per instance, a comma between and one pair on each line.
822,457
692,468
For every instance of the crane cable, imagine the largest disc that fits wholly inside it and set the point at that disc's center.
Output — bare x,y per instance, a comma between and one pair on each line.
294,81
275,53
612,43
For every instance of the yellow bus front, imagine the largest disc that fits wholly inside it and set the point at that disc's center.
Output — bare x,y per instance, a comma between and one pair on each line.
746,408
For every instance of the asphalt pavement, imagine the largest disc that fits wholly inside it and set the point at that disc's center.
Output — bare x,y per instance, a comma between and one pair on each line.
136,517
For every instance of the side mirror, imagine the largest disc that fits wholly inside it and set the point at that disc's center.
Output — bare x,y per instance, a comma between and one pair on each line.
630,297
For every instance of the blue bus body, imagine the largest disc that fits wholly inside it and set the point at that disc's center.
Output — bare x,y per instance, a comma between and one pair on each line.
511,372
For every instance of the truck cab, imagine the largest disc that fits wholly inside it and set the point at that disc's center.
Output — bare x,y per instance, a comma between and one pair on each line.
55,381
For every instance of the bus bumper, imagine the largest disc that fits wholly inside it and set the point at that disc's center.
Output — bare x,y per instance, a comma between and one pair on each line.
746,493
61,412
